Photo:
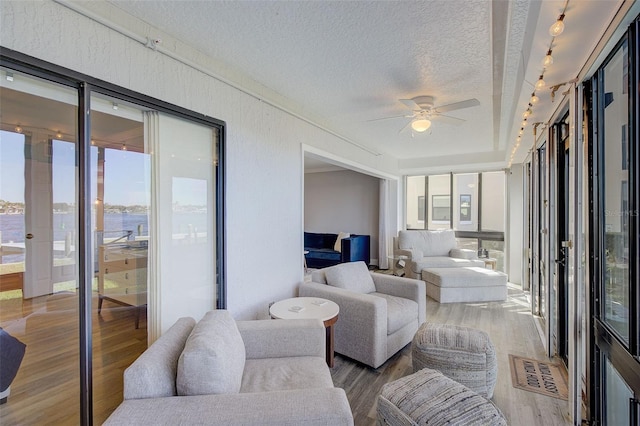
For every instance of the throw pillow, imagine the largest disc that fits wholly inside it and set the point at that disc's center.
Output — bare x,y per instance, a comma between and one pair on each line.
353,276
212,361
338,245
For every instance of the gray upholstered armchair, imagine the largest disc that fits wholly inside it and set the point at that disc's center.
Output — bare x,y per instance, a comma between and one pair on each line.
379,313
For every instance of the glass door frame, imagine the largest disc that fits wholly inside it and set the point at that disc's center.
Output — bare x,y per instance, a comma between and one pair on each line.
86,85
561,235
606,344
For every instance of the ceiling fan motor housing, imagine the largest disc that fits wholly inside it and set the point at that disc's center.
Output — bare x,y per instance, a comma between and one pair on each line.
424,102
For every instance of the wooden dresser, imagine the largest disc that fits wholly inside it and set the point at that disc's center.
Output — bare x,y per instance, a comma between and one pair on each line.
122,275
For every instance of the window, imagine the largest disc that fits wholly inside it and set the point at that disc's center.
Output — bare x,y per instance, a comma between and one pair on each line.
416,204
439,192
441,208
472,203
465,208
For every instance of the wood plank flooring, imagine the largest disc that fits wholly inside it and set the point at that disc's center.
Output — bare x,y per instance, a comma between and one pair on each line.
47,387
46,390
512,331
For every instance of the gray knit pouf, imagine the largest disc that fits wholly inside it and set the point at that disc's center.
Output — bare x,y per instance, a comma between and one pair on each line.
426,397
463,354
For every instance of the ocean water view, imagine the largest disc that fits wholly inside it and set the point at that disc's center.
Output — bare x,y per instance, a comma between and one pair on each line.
12,226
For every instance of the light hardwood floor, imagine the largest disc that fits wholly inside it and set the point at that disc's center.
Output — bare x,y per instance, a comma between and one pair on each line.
47,387
512,331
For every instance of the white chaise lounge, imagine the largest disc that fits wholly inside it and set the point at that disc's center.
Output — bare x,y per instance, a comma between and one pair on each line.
433,249
469,284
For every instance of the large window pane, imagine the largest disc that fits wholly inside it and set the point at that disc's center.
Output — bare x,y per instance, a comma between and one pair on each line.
465,197
416,202
617,395
120,174
38,249
440,196
493,201
615,294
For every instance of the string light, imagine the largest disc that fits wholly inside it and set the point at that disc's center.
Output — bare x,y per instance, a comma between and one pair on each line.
555,30
534,99
558,27
18,129
548,59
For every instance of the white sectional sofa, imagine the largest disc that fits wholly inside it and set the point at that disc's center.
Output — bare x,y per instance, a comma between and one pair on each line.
223,372
433,249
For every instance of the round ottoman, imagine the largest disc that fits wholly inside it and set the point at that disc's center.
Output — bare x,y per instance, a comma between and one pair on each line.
463,354
426,397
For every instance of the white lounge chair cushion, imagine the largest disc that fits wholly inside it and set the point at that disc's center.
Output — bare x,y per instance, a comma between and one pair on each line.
352,276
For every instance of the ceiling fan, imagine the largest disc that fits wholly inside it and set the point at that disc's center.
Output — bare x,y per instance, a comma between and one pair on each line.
425,111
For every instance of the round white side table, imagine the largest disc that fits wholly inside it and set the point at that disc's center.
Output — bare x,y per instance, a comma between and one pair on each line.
310,308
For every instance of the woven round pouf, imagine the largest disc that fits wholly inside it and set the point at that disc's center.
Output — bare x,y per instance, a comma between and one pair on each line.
463,354
427,397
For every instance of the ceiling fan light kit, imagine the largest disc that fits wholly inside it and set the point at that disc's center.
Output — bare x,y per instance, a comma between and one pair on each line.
424,112
420,125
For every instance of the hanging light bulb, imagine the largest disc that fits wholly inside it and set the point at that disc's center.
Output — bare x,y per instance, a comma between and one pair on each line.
534,99
59,135
558,27
124,147
420,125
540,83
18,129
521,131
524,122
527,113
548,59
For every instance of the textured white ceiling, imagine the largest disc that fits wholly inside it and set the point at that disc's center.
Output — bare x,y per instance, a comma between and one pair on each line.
348,62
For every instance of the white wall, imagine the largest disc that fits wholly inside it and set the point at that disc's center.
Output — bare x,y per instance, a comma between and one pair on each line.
263,143
343,201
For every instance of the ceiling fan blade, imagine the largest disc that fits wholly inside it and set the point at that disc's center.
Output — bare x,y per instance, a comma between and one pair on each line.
405,127
448,120
389,118
411,104
458,105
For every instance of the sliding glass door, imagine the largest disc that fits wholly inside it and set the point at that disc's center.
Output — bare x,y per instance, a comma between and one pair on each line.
39,284
614,261
111,228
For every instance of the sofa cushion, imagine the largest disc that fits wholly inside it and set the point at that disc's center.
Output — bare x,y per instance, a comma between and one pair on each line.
400,311
464,277
323,254
445,262
319,241
153,374
431,243
463,253
278,374
352,276
338,245
213,358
